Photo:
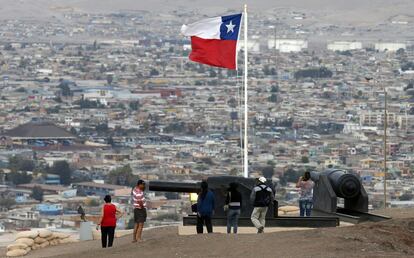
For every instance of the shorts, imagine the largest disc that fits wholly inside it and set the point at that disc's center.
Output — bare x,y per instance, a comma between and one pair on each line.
140,215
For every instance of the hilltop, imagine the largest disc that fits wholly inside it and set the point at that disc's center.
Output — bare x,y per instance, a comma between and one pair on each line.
392,238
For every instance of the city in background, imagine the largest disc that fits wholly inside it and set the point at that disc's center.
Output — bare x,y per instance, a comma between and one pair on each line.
90,102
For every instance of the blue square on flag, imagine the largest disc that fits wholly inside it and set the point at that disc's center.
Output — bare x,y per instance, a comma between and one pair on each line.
214,40
229,29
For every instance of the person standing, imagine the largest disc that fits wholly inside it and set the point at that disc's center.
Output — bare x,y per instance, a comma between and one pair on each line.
233,207
108,222
305,184
261,197
140,210
205,209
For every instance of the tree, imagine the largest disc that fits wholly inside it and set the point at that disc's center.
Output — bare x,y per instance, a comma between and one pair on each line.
7,202
406,197
212,73
62,169
109,79
273,98
19,163
271,163
37,193
321,72
134,105
154,72
18,178
111,141
64,88
274,89
102,128
234,172
232,102
73,131
122,176
211,99
268,171
305,159
291,175
21,89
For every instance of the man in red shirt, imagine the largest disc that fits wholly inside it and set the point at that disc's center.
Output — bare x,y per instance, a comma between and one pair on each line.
140,209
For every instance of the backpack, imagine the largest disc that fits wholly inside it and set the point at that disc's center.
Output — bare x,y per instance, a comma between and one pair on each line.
263,198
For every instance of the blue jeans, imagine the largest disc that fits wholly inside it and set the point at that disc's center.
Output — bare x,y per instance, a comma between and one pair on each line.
305,207
232,220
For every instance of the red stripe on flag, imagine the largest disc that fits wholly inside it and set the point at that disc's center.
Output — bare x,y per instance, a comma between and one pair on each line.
215,52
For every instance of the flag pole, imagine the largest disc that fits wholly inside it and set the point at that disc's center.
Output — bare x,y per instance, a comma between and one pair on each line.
246,158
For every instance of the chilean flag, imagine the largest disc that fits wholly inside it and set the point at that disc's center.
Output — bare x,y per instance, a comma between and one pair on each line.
214,40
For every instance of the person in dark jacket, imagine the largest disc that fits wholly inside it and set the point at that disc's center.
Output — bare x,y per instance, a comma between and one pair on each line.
261,197
205,209
233,207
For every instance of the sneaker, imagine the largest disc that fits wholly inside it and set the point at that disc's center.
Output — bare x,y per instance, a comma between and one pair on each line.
260,230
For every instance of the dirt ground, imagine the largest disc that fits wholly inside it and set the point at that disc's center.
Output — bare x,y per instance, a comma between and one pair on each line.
393,238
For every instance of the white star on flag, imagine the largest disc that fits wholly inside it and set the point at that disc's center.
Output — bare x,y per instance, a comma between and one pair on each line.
230,27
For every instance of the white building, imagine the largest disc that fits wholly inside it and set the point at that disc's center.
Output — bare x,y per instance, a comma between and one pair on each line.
252,45
390,46
344,45
287,45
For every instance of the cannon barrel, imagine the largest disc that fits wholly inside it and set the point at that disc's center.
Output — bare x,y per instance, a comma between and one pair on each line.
165,186
345,185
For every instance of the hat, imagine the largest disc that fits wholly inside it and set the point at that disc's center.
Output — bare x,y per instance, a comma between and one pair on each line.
262,179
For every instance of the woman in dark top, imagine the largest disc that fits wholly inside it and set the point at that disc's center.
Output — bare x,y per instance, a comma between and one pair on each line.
108,221
233,207
205,209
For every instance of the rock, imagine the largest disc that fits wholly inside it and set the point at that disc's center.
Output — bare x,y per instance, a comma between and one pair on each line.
16,246
27,234
27,241
16,253
39,240
45,233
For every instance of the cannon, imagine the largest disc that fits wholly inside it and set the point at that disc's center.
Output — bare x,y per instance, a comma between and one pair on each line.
218,185
334,183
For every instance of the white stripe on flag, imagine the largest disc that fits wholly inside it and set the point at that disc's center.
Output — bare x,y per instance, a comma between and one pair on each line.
205,29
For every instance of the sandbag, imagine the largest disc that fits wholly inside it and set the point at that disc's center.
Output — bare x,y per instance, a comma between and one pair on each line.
44,244
45,233
27,241
61,235
28,249
27,234
15,246
96,234
68,240
121,233
16,253
288,208
50,238
36,246
39,240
